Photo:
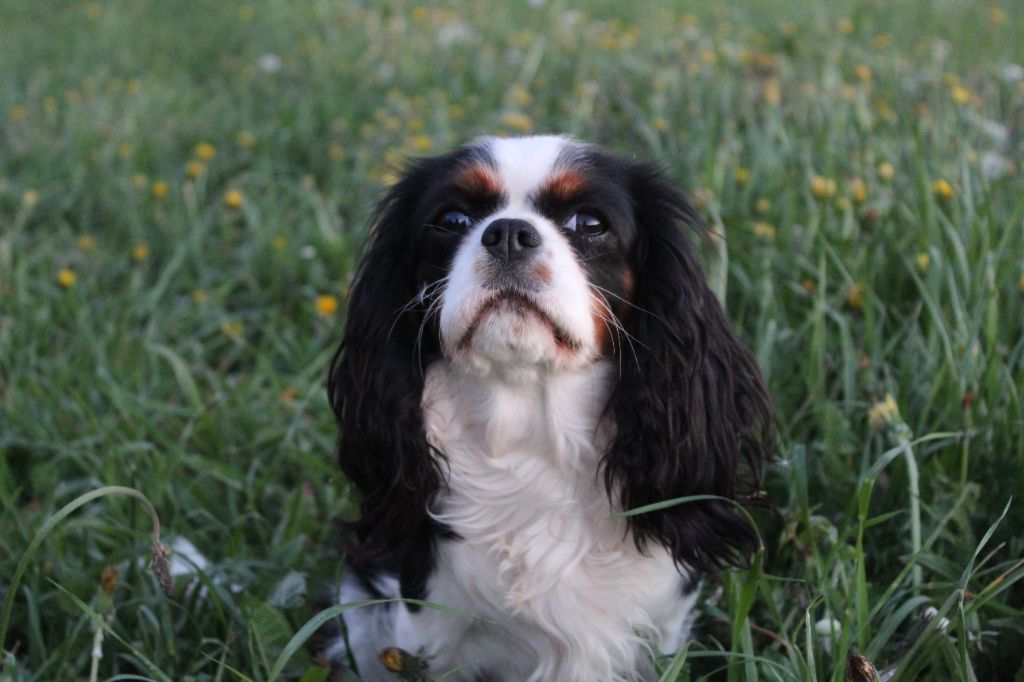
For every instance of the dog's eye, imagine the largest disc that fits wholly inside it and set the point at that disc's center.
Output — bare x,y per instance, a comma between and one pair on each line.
454,221
585,224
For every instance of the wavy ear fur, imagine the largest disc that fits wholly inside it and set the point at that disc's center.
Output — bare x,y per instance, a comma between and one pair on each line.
375,386
692,413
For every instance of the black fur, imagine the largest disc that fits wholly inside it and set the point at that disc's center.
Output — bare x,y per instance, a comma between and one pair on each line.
692,414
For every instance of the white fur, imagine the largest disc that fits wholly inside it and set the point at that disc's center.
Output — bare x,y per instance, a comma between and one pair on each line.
552,582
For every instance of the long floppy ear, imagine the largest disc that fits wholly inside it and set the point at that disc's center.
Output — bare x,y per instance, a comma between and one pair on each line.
375,386
691,412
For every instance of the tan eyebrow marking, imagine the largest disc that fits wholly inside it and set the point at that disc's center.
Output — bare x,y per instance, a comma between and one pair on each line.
478,180
565,184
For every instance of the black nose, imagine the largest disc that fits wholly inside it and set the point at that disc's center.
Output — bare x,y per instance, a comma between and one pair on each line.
507,239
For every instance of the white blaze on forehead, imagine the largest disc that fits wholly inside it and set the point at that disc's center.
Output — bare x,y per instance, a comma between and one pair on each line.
524,163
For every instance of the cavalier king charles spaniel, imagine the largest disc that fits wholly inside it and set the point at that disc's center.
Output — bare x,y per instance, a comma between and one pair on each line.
532,349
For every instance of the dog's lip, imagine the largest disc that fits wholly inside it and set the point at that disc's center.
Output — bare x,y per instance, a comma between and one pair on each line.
563,338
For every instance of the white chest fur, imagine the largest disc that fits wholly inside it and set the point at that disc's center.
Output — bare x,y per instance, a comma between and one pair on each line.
541,555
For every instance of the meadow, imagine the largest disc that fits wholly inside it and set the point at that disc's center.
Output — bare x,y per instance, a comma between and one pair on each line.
184,189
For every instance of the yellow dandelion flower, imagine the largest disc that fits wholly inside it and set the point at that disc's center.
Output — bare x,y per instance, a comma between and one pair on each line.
124,150
863,72
205,151
855,297
845,26
326,305
521,96
763,205
771,91
456,112
66,278
140,252
659,124
199,296
517,121
139,180
708,57
245,139
960,94
393,658
280,243
159,189
764,230
942,189
93,11
882,41
50,103
843,203
18,113
195,169
859,190
996,16
742,175
886,171
30,198
336,152
235,330
422,143
822,187
883,413
86,242
234,199
885,109
923,259
765,61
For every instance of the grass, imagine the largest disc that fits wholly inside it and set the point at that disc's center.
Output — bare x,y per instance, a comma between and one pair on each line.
171,333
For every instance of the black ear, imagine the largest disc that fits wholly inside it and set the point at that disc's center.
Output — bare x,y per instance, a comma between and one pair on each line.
691,410
376,383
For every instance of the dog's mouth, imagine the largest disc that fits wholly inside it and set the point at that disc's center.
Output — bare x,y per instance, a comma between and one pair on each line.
517,303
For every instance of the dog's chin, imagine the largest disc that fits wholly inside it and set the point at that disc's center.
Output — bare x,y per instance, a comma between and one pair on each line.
511,334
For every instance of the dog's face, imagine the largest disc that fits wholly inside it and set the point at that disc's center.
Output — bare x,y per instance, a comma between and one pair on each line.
524,253
517,258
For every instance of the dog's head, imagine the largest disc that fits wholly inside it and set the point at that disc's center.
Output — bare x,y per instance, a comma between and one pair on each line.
517,258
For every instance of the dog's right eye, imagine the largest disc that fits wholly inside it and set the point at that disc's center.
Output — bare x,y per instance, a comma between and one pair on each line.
454,221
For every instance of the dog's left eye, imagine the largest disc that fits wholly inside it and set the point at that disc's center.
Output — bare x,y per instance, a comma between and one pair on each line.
585,224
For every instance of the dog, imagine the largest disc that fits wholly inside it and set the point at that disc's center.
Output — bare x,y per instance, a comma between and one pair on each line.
532,349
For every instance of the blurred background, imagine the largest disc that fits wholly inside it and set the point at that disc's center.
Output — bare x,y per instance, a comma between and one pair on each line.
184,189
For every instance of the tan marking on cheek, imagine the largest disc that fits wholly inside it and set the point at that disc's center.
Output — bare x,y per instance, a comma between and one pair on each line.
620,309
478,181
543,273
602,333
565,184
628,283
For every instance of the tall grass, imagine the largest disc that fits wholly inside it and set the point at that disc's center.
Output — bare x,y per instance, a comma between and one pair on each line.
167,314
